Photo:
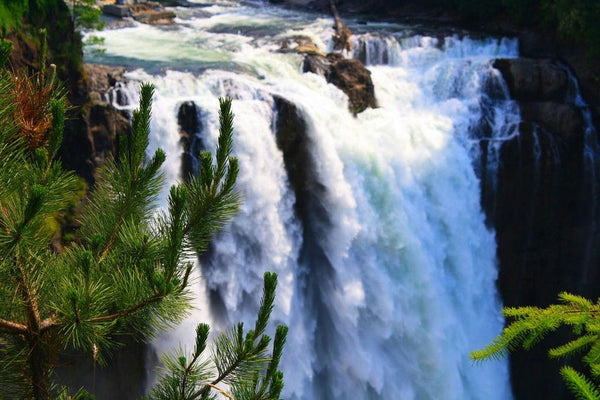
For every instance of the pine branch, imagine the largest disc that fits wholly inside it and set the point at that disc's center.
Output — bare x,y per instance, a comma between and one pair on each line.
574,346
238,359
12,327
579,385
29,297
131,310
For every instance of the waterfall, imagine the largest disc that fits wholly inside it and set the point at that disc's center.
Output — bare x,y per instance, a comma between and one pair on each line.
386,267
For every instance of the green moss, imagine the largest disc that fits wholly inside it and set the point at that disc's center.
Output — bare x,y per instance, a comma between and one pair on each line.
11,14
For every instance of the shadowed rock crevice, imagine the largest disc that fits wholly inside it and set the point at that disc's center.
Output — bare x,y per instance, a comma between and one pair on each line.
190,133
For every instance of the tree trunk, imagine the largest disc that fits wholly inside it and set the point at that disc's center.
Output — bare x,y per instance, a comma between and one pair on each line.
38,369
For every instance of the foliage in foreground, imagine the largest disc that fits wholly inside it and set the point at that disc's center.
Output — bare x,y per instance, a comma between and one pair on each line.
240,361
529,325
127,275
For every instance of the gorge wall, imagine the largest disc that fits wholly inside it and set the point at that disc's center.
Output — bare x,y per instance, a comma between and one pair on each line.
545,208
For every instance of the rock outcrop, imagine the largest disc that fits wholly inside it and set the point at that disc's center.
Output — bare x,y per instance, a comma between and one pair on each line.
545,210
534,79
105,121
148,12
190,132
350,75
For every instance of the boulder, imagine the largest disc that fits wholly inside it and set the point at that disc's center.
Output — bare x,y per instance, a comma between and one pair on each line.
350,75
147,12
317,64
151,13
101,78
354,79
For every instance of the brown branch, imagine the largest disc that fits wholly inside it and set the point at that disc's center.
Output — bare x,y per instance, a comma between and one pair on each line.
30,297
47,324
12,327
113,235
108,318
341,38
224,375
218,389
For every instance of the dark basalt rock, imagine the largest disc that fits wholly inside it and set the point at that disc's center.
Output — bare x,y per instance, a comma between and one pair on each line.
355,80
295,143
534,79
563,120
544,212
102,78
317,64
190,132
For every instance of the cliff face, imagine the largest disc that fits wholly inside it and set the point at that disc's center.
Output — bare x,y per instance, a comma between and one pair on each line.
545,208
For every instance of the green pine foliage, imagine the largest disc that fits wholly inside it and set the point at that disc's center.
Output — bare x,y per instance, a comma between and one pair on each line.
127,275
238,367
529,325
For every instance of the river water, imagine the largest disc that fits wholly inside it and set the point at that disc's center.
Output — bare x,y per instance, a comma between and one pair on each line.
402,284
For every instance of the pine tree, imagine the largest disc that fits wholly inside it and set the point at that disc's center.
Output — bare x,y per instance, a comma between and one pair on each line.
529,325
126,274
239,361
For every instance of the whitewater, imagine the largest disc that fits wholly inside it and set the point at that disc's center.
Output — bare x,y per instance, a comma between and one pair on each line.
387,279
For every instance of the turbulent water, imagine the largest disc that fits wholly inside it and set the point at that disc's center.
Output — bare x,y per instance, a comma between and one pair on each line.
401,285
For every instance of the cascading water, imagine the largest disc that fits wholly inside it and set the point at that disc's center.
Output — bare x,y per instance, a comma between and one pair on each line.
387,276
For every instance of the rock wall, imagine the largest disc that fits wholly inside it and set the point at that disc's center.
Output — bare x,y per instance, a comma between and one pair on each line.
105,120
545,210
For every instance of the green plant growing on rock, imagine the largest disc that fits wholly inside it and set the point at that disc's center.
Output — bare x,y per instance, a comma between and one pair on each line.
529,325
127,274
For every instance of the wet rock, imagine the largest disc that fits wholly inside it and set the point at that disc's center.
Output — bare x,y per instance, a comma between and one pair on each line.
101,78
350,75
563,120
151,13
534,79
190,132
146,12
354,79
544,211
294,143
317,64
105,122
